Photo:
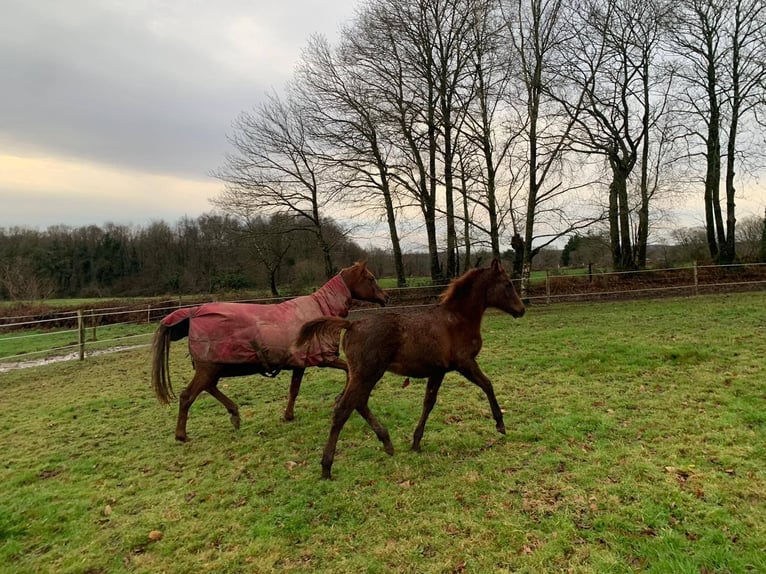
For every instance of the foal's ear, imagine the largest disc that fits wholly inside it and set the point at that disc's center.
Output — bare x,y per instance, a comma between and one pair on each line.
497,266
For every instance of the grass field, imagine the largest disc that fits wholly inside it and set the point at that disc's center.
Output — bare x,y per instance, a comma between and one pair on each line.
636,442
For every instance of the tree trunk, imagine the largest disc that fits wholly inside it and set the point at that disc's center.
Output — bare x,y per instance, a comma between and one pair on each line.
643,211
614,225
728,252
466,218
713,219
401,279
628,262
517,243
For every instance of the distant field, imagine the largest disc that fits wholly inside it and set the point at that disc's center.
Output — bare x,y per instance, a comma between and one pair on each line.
636,442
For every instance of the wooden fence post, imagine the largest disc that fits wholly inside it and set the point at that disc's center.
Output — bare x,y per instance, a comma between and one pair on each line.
81,334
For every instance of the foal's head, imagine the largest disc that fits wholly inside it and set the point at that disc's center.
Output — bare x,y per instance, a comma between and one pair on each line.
362,284
490,287
501,293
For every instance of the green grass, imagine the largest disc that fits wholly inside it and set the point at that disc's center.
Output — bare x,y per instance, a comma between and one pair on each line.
636,442
32,344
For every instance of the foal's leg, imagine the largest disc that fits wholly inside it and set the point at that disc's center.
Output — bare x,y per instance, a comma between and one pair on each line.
354,396
295,387
473,373
338,363
344,406
432,389
379,429
230,405
204,377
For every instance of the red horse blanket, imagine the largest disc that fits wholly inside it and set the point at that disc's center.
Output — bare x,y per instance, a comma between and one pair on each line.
263,334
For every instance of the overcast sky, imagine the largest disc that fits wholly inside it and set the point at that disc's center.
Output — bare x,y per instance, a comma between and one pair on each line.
117,110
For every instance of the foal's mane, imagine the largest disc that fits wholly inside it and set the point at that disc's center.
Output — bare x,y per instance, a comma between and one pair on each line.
461,286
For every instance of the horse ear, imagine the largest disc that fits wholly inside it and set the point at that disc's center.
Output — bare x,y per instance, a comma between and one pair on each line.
496,265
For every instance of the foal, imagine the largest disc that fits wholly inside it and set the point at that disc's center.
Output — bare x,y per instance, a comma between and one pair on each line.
429,344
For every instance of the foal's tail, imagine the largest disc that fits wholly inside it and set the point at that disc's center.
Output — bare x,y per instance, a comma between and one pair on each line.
322,328
167,331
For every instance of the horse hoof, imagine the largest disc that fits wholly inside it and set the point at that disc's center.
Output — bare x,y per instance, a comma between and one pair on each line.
501,429
288,417
389,449
235,421
415,448
326,474
182,438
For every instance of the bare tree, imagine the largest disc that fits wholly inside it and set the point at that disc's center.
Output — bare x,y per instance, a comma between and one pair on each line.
416,56
750,232
720,46
342,102
21,282
276,168
453,22
393,50
614,67
270,240
544,205
487,129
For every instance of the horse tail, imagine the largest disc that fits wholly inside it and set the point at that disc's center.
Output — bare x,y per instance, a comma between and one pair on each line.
166,332
324,327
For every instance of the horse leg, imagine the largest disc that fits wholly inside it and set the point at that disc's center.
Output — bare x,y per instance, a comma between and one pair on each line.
354,396
432,389
203,377
342,411
230,405
337,363
473,373
379,429
295,387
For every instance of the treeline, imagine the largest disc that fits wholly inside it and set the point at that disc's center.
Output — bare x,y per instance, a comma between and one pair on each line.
209,254
513,122
218,254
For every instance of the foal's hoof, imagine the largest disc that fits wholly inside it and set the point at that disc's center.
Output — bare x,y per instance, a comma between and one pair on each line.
389,449
182,438
235,421
501,429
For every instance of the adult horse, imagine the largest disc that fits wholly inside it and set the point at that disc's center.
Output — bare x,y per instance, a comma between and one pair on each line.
237,339
429,344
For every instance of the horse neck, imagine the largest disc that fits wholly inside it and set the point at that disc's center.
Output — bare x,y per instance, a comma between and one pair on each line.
334,297
470,306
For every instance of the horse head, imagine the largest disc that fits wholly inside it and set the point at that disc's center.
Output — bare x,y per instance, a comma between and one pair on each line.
362,284
501,293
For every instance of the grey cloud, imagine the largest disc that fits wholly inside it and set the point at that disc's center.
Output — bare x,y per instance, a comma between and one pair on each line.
143,85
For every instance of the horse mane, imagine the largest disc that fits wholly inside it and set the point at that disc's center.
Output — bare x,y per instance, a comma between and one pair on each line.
460,287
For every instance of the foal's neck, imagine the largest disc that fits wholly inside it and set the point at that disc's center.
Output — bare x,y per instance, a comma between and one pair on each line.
470,306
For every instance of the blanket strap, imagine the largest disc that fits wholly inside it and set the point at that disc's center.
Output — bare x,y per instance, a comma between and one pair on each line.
267,370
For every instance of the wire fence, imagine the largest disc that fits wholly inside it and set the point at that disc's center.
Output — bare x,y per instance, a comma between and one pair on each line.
55,335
